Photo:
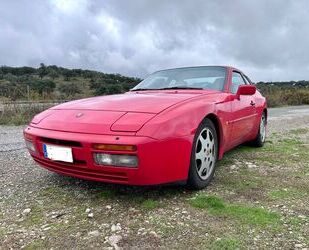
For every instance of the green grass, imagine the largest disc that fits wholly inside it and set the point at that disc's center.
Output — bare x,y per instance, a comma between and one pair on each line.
299,131
226,160
36,244
107,194
277,152
149,204
34,218
245,214
242,180
226,243
3,231
210,202
287,193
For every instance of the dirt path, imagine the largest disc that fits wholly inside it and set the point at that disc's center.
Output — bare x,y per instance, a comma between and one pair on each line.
258,200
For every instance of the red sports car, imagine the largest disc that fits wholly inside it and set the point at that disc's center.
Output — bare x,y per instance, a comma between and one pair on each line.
170,128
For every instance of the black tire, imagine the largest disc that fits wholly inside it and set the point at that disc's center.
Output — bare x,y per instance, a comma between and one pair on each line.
260,138
194,179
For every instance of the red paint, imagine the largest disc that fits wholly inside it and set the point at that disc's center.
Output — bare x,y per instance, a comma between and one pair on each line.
160,123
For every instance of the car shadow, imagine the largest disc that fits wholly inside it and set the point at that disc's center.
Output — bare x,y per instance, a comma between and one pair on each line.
116,191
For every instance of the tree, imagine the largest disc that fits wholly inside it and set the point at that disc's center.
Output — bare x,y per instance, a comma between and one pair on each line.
69,89
42,70
109,89
53,74
10,77
44,86
67,74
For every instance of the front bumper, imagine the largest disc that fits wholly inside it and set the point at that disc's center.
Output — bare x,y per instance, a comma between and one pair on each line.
160,161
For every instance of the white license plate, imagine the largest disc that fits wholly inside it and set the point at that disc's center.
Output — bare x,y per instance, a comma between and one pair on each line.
57,153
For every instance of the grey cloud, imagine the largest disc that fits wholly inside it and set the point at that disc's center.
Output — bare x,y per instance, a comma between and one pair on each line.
268,40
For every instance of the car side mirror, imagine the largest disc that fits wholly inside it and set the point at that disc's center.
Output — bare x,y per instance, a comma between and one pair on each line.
246,90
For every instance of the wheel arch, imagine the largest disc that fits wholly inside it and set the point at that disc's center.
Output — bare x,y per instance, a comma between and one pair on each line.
218,126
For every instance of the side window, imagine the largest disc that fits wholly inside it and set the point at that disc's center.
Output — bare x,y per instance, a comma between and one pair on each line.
236,81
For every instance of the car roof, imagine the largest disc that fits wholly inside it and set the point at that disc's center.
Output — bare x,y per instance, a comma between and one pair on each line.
188,67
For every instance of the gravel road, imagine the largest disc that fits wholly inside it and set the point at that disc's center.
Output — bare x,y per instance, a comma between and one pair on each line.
21,179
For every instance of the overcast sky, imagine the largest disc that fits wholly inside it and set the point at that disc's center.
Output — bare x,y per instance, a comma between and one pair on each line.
268,40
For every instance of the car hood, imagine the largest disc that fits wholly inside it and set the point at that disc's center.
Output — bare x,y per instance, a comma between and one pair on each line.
125,113
146,101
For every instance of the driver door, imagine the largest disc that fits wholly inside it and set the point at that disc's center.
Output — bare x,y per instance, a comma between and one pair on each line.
243,111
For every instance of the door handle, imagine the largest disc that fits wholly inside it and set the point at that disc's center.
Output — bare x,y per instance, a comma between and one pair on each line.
252,103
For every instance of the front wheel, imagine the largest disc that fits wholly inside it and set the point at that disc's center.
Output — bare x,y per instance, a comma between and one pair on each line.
204,155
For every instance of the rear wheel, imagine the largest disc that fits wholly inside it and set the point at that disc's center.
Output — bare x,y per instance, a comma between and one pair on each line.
204,155
261,136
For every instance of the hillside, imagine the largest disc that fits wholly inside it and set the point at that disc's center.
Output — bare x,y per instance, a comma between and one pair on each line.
57,83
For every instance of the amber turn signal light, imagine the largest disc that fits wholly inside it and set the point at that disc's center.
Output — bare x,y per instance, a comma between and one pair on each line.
114,147
28,136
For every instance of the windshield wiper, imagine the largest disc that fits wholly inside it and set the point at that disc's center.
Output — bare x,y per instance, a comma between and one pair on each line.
141,89
176,87
180,87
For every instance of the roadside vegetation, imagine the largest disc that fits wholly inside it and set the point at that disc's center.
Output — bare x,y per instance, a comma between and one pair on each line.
285,93
257,200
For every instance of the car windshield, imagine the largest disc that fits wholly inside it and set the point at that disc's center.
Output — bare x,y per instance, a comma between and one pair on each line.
208,77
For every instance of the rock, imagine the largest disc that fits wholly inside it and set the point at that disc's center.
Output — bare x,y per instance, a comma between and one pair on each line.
154,234
233,167
88,210
90,215
26,211
251,165
114,240
115,228
108,207
298,245
56,215
95,233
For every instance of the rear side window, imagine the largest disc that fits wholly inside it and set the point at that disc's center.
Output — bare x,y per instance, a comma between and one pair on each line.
236,81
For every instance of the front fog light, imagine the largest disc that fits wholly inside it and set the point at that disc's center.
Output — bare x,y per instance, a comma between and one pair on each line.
30,146
116,160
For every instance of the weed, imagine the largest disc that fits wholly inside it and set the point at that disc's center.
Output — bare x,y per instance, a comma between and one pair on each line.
227,243
299,131
36,244
287,193
107,194
245,214
149,204
34,218
210,202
